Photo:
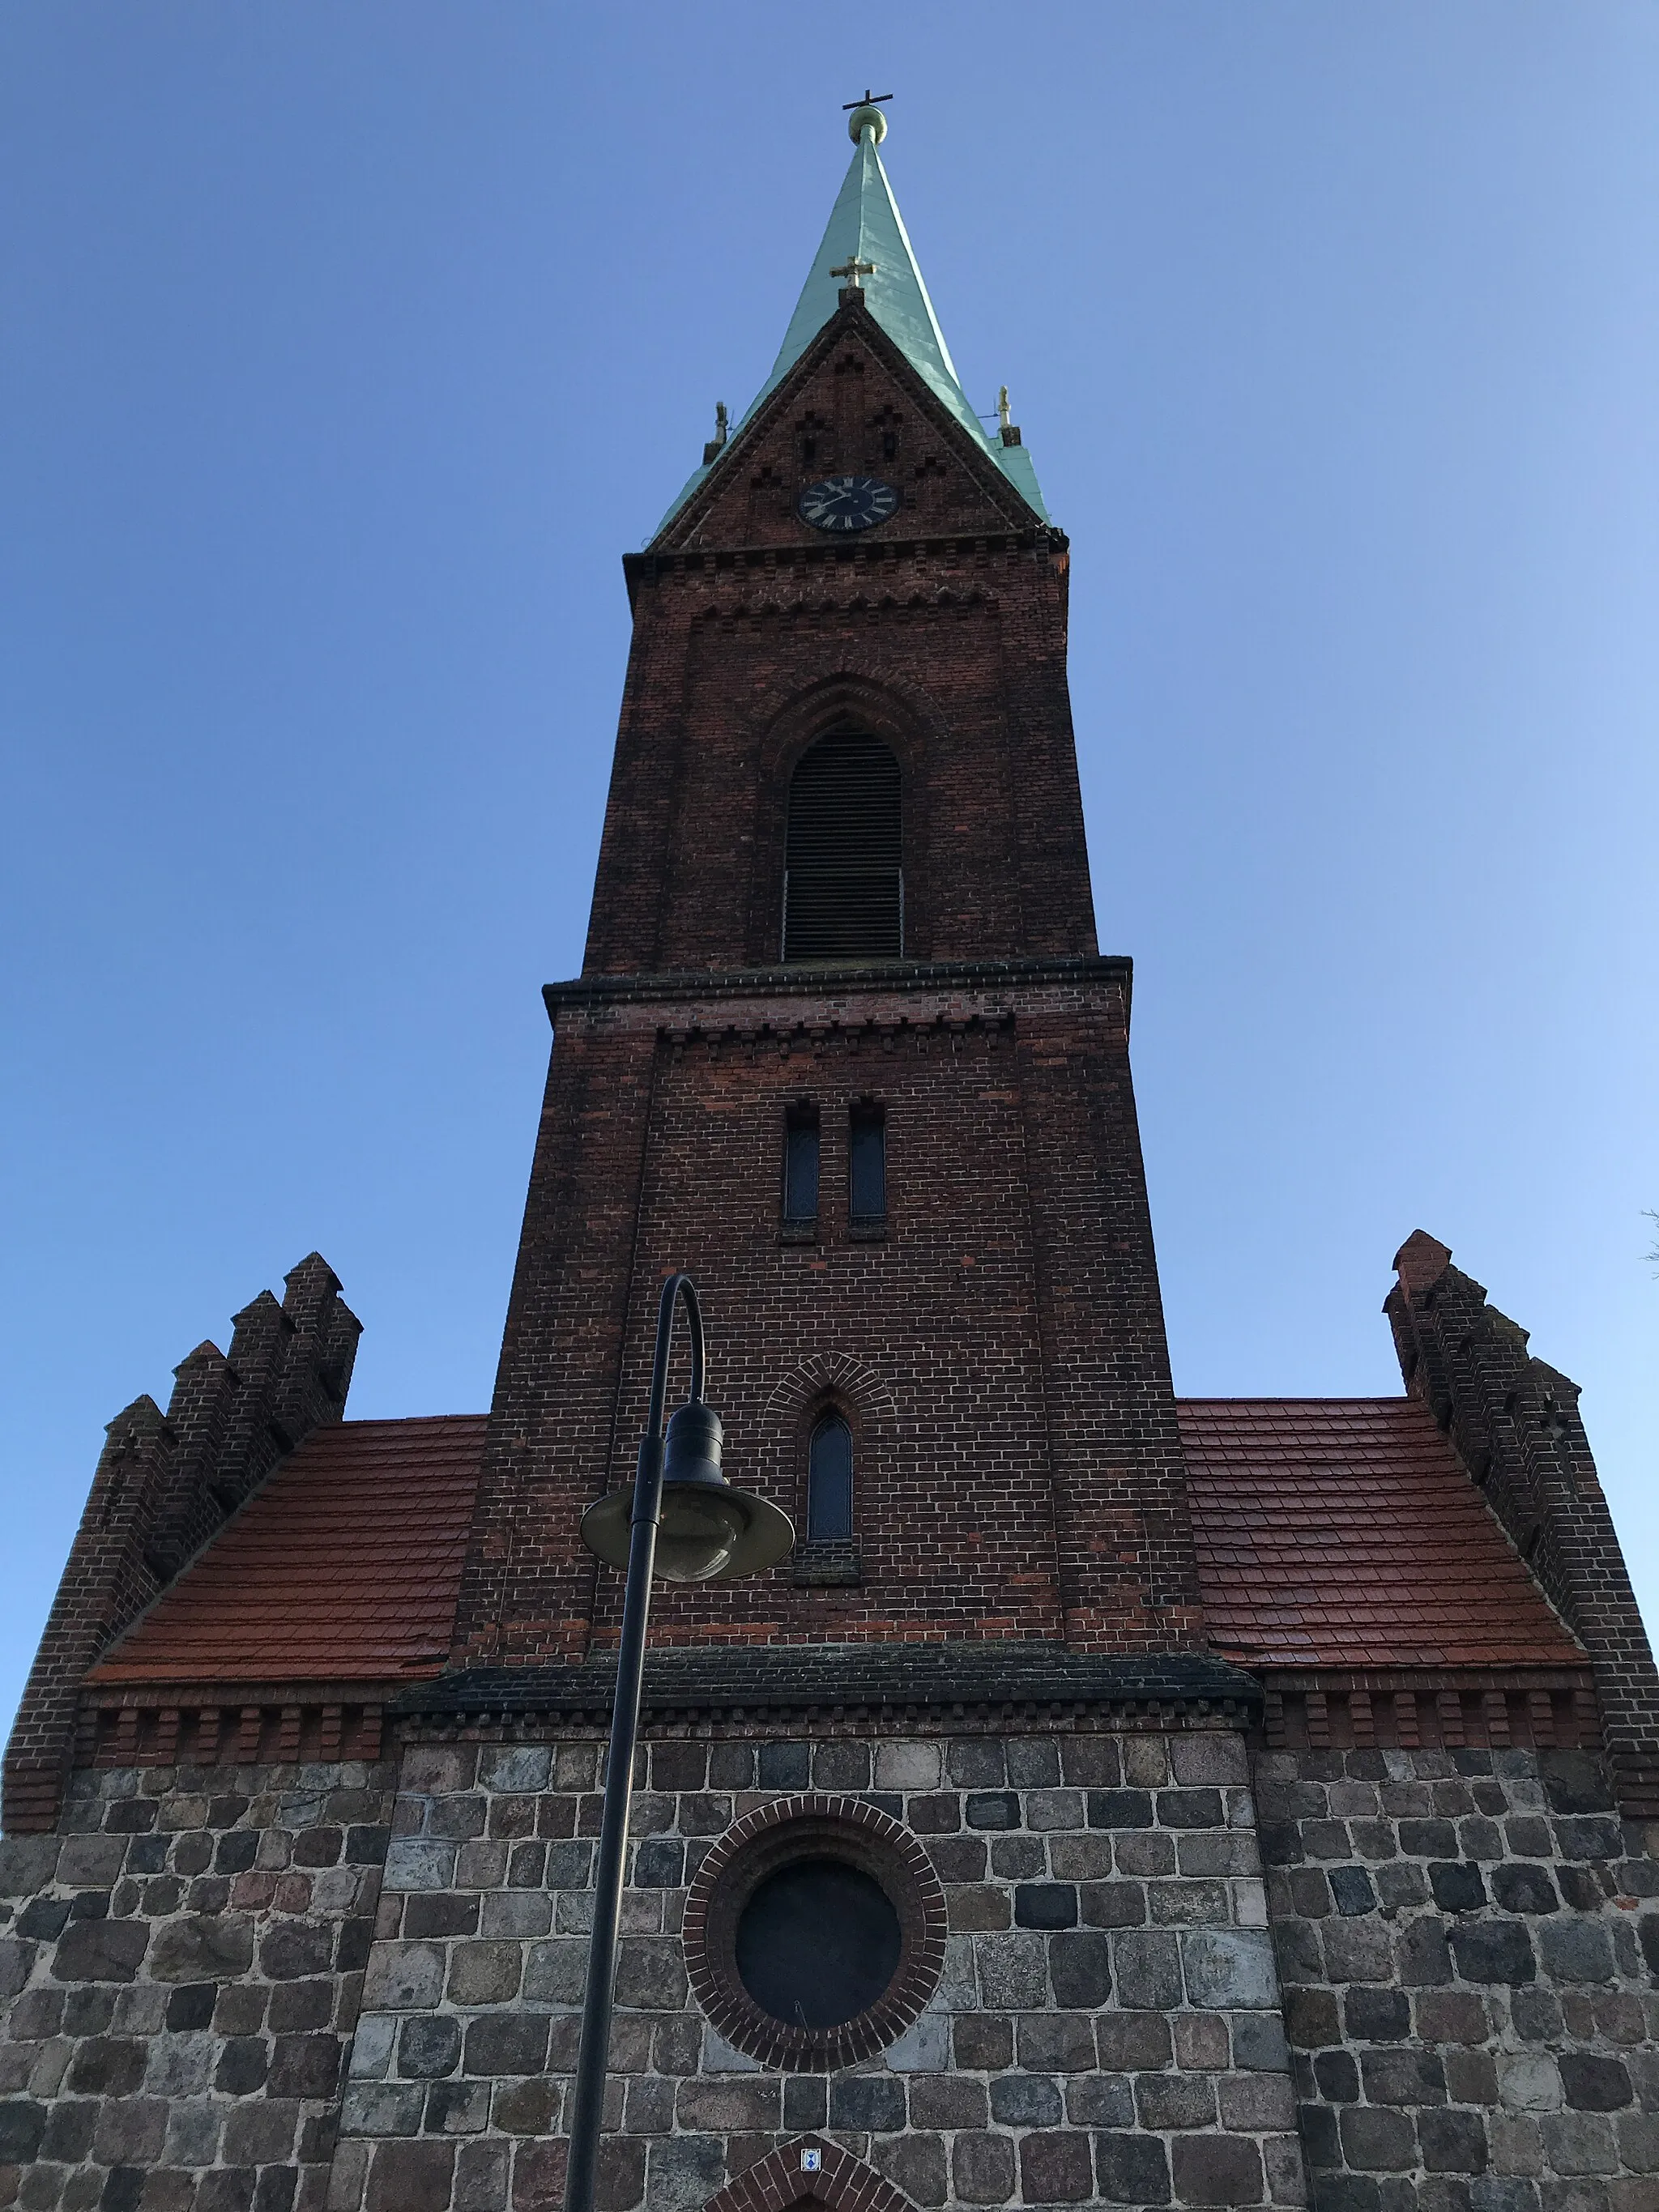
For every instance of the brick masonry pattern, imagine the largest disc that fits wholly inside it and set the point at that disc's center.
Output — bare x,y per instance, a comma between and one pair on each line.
1011,1312
1009,1323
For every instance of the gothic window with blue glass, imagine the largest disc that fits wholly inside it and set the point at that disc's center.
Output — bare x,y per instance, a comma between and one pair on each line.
830,1482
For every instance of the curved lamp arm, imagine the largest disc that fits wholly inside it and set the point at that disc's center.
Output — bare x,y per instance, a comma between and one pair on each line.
676,1288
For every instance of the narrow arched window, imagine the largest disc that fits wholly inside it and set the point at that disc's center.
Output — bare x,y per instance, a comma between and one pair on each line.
843,896
830,1482
801,1164
867,1163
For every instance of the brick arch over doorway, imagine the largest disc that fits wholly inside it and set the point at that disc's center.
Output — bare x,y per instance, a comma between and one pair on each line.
777,2182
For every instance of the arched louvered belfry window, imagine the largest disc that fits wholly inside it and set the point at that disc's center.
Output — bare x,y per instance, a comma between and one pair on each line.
843,896
830,1482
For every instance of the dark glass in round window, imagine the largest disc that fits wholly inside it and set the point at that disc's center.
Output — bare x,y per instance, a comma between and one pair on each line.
818,1943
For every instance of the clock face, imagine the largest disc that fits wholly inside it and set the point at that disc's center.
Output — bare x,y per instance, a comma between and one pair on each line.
848,502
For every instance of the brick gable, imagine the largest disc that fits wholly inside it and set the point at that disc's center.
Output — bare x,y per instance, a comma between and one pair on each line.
853,405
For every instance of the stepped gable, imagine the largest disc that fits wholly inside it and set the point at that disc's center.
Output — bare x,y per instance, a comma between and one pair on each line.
1345,1533
166,1483
345,1568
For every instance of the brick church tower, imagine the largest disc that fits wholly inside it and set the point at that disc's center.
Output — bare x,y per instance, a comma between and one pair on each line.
843,913
1110,1800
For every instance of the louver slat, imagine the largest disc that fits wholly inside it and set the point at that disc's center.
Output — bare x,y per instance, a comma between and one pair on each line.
843,895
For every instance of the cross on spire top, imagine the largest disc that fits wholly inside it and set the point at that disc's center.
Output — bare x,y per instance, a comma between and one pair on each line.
865,114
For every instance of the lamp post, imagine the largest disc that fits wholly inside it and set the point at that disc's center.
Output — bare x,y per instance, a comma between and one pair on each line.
683,1521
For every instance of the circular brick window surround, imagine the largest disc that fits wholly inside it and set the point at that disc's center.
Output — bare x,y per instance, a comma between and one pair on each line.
785,1847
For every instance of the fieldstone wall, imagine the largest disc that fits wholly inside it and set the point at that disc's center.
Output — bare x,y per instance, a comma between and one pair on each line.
1108,2029
1469,1945
181,1967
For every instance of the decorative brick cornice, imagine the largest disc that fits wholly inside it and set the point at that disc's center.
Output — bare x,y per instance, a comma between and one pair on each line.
761,608
1080,970
1034,1679
873,556
238,1723
1414,1708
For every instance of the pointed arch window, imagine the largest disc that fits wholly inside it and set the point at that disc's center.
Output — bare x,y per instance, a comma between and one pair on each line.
867,1164
800,1165
843,896
830,1482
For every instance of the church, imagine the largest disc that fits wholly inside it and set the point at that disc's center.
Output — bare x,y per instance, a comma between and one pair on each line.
1108,1799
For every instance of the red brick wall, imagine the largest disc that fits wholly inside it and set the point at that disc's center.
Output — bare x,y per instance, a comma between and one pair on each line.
1000,1355
952,647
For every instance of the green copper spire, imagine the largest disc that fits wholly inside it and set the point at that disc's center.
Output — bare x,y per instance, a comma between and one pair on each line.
865,243
865,227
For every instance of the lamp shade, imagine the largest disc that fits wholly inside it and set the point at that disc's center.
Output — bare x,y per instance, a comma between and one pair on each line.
708,1531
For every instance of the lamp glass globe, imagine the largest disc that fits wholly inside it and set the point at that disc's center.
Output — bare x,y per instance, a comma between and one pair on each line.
701,1525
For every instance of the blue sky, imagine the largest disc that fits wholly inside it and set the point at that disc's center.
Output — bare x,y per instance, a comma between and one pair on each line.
347,348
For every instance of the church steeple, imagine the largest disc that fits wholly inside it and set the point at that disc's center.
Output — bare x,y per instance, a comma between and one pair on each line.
865,227
866,246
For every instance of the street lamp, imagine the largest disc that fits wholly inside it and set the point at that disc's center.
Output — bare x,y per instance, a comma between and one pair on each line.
682,1519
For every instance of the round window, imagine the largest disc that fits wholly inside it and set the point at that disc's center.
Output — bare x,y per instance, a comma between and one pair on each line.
814,1932
818,1943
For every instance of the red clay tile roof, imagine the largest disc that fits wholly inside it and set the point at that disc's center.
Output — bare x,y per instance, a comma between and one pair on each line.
1331,1532
1343,1532
345,1567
